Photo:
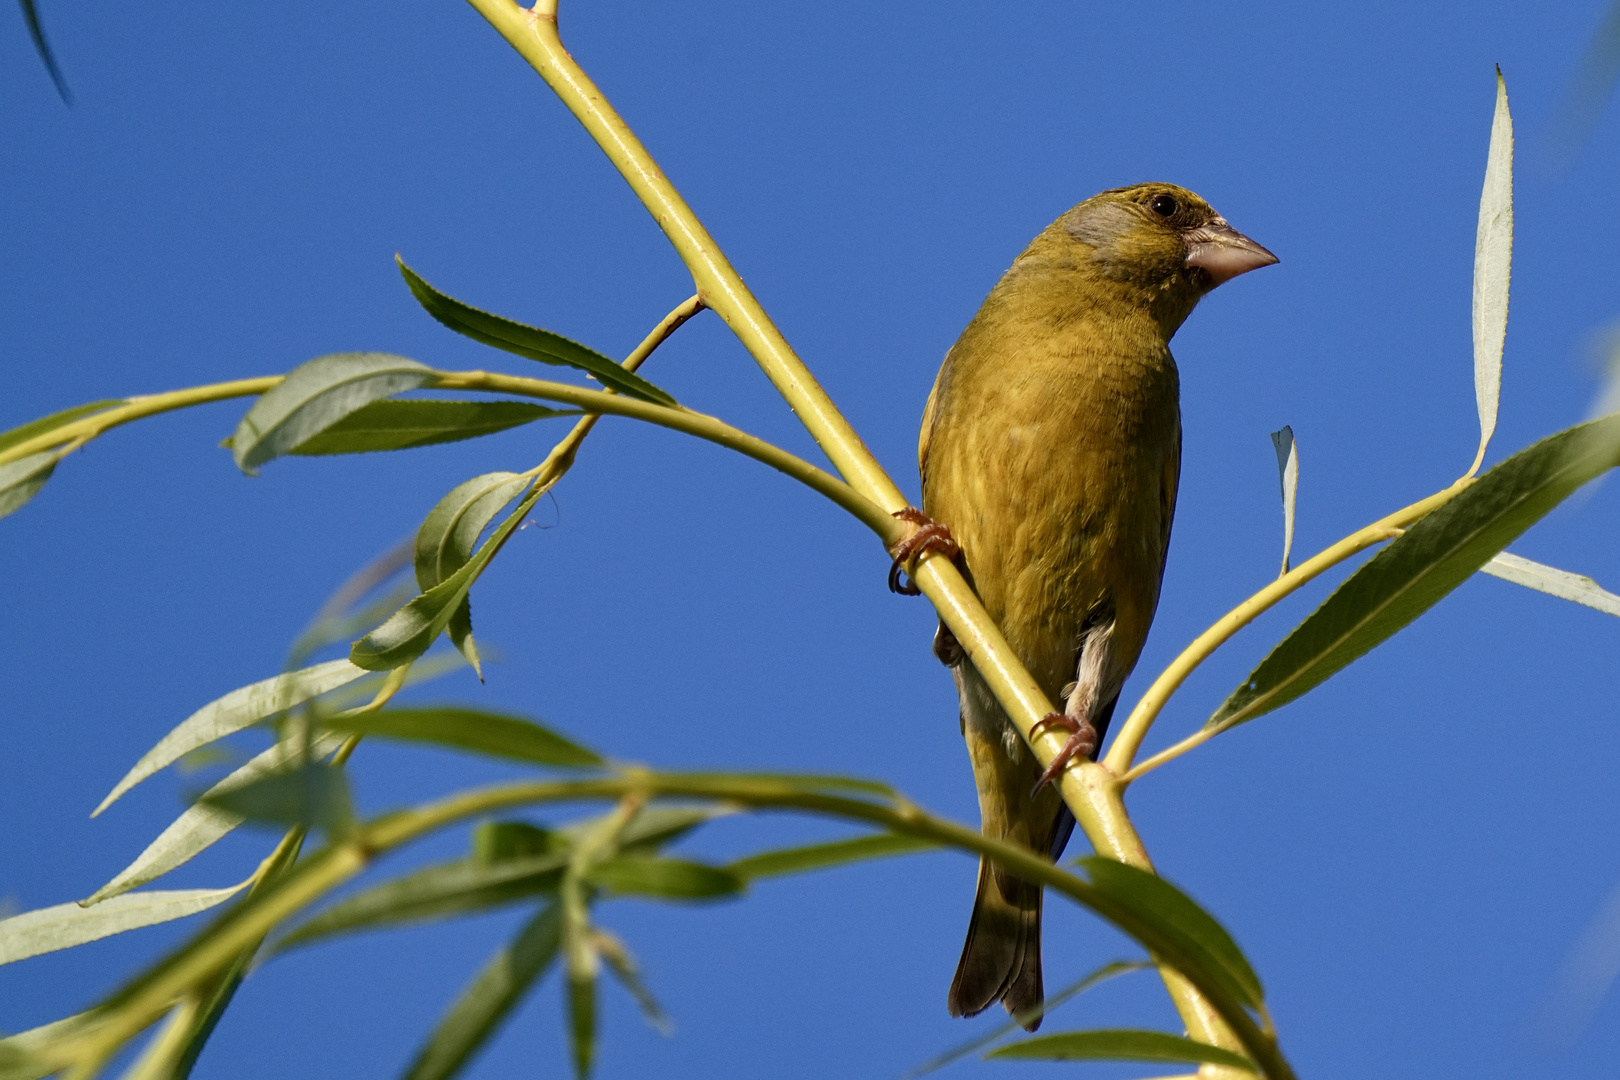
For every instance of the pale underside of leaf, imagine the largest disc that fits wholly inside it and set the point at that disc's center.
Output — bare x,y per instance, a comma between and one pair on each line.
66,925
1288,474
1560,583
202,824
316,395
1420,567
1493,261
21,480
237,710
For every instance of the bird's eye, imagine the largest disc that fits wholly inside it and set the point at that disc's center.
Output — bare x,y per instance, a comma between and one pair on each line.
1164,205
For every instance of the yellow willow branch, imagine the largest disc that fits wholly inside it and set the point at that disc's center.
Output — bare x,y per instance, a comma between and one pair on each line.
149,996
1085,788
1129,740
137,408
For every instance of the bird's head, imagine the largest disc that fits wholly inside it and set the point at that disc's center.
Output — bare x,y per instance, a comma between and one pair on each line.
1161,245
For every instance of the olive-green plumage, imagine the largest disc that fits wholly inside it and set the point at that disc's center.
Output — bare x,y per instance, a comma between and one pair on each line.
1050,448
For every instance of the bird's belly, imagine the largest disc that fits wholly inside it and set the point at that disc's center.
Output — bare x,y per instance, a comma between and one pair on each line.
1057,529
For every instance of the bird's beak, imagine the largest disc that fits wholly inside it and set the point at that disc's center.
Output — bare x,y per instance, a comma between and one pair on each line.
1223,253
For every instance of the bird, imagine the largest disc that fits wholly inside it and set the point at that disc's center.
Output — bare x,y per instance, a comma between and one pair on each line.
1050,455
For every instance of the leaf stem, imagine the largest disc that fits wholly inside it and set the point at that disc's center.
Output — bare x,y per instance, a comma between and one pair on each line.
1122,754
678,419
137,408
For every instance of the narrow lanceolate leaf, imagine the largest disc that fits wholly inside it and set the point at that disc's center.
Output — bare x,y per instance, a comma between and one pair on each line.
316,395
1119,1046
489,998
36,30
582,969
21,480
666,879
67,925
529,341
202,824
1560,583
448,537
1102,974
402,425
652,828
820,856
411,630
1178,917
239,709
44,424
494,841
17,1060
1288,473
315,796
447,890
471,729
1493,260
449,534
624,968
1433,557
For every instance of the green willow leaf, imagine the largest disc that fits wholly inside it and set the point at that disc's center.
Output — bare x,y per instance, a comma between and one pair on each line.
495,841
528,341
1110,970
315,796
442,891
448,537
202,825
403,425
666,879
1418,569
449,534
411,630
18,435
489,998
316,395
62,927
582,966
819,856
21,480
471,729
796,782
1121,1045
1178,916
239,709
652,828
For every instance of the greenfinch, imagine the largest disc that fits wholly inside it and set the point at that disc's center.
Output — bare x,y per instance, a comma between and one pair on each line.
1050,452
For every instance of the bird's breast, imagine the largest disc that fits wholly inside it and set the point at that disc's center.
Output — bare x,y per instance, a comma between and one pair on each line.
1049,466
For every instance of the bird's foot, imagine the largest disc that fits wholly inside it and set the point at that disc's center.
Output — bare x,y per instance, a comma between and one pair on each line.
1082,743
929,535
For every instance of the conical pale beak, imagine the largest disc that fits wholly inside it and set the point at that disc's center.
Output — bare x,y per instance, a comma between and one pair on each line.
1223,253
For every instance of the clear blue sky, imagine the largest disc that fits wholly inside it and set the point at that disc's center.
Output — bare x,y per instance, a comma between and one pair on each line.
1407,854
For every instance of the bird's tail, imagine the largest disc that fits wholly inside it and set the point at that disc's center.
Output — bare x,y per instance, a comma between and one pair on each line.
1001,960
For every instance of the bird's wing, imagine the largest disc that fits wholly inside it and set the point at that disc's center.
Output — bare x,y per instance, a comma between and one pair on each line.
926,435
1167,496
